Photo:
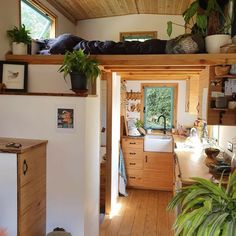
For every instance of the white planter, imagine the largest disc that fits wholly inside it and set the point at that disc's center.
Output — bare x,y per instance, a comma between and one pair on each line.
19,48
214,42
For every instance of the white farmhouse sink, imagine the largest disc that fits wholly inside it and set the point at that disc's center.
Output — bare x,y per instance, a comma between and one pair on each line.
158,143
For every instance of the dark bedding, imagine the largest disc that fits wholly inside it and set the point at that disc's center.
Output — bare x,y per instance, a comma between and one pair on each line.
69,42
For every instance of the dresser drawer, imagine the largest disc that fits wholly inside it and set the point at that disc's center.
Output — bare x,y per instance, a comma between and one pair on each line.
133,153
132,143
131,163
135,178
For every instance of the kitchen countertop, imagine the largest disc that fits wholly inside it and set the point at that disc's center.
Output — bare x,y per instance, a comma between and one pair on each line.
191,162
26,144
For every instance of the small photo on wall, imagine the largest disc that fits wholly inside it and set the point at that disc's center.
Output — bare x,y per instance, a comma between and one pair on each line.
65,118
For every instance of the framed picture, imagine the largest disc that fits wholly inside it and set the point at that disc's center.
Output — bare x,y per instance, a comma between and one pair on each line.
65,118
14,75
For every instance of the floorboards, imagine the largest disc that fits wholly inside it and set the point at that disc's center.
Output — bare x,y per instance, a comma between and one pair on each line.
142,213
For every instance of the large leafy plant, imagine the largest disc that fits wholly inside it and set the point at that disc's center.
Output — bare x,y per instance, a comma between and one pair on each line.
209,20
78,61
19,35
207,209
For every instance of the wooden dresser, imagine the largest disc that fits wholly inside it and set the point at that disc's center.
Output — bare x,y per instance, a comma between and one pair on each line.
23,187
148,170
133,156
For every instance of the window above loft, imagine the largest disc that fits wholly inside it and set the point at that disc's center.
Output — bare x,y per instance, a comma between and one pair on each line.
38,19
137,36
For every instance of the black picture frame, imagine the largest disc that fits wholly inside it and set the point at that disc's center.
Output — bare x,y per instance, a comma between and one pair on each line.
14,75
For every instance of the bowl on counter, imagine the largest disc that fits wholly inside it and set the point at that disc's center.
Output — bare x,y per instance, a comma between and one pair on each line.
212,152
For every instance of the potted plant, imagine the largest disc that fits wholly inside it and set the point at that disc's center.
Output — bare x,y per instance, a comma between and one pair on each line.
20,38
206,208
210,19
81,68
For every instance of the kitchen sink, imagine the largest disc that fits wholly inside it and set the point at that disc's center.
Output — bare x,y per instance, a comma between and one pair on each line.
158,143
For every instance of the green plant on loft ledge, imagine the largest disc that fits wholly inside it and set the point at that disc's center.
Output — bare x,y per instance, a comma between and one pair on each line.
207,209
211,19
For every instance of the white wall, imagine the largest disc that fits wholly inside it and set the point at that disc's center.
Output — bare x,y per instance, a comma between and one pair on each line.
10,16
72,161
115,139
226,133
183,118
109,28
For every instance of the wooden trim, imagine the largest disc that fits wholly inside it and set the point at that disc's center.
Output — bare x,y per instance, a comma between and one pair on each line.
152,34
108,142
137,60
47,94
174,85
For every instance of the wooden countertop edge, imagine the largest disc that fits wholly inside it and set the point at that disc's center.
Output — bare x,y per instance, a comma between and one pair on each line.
24,148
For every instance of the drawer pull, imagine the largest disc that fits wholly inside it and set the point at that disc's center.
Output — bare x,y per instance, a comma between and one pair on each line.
132,143
132,163
146,158
132,177
132,153
25,167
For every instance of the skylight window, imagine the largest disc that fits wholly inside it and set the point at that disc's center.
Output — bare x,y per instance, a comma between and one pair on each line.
39,20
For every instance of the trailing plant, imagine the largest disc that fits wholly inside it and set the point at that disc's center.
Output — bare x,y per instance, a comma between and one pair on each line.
78,61
19,35
207,209
211,19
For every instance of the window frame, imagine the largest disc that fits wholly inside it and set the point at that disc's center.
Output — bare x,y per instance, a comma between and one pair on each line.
175,96
41,8
152,34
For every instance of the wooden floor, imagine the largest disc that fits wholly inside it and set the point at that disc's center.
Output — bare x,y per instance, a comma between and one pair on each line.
142,213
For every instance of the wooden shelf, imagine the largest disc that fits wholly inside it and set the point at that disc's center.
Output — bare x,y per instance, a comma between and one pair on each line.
140,60
225,76
47,94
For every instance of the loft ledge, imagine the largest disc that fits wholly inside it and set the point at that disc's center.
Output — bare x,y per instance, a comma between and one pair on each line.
136,60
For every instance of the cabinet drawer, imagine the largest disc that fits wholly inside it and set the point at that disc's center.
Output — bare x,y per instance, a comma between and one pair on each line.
131,163
132,143
133,153
135,178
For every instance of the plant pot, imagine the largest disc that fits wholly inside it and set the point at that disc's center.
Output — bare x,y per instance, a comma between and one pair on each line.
214,42
19,48
79,83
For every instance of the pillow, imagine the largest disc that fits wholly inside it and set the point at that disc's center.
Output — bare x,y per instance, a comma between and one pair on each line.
63,43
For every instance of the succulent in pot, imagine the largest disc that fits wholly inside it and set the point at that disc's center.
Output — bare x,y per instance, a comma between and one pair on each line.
20,38
81,68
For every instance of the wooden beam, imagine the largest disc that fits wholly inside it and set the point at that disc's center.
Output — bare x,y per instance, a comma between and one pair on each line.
160,73
154,67
151,77
138,60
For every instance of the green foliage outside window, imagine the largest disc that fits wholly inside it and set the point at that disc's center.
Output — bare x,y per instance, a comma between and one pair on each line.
158,101
37,22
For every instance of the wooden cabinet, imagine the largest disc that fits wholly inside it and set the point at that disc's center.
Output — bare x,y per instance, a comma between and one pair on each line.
27,167
158,171
149,170
133,156
219,116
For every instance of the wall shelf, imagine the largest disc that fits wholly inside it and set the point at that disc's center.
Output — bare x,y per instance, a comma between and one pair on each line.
48,94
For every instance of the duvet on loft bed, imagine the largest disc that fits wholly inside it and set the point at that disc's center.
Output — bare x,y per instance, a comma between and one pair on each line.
69,42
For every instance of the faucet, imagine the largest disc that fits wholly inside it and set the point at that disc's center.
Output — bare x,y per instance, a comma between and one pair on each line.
164,130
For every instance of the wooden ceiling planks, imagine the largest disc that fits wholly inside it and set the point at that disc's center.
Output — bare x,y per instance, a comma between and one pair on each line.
89,9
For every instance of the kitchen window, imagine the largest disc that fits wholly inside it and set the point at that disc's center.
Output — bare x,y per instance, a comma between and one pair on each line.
138,36
38,19
159,99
